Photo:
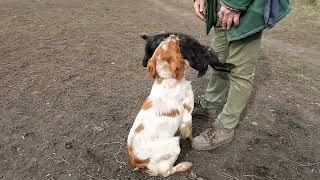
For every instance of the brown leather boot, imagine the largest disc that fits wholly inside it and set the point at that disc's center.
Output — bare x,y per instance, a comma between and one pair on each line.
212,138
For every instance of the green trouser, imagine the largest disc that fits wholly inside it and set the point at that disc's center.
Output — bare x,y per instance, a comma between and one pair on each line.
244,55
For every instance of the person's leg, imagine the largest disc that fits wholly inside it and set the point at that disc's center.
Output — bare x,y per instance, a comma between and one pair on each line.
244,55
218,83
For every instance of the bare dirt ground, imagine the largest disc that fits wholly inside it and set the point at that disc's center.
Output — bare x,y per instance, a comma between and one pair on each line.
71,83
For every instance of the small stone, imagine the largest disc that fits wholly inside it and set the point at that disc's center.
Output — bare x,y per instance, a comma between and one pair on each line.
68,145
192,175
97,128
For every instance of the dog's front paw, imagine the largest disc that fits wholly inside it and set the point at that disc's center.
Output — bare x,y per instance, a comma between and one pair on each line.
151,173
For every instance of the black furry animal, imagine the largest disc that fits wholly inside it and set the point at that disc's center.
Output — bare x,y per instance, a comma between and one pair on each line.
199,56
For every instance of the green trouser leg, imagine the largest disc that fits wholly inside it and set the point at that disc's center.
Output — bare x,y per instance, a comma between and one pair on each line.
218,84
244,55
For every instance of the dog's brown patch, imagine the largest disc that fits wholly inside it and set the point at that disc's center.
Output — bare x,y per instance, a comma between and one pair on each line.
139,128
169,52
187,107
158,79
135,161
172,113
176,61
147,105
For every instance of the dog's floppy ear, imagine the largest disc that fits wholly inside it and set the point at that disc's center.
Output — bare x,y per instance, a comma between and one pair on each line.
177,65
151,72
144,36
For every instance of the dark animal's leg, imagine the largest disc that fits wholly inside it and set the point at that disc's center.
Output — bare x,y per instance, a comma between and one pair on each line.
145,61
217,65
225,67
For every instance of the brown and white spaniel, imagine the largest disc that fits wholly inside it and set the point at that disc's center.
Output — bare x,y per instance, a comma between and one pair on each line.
152,143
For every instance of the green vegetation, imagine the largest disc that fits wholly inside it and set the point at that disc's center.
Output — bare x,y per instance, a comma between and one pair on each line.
306,2
306,9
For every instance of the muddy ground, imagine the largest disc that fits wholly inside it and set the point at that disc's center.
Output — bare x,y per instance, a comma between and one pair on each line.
71,83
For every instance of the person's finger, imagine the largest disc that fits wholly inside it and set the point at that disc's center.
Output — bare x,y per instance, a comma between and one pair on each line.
201,16
196,7
236,20
224,22
221,15
201,7
229,23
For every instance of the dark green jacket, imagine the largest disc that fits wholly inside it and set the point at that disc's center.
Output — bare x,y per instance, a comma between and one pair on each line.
252,18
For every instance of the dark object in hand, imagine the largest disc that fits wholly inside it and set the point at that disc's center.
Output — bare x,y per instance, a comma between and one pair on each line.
199,56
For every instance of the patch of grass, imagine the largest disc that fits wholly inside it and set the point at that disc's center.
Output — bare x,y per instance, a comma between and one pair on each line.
306,16
307,11
306,8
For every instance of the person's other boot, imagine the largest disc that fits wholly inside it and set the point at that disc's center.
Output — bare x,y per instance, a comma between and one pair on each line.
200,113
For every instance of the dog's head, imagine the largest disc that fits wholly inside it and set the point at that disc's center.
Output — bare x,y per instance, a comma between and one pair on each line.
152,42
190,49
167,60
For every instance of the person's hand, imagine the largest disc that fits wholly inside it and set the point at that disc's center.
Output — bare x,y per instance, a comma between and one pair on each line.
229,17
198,6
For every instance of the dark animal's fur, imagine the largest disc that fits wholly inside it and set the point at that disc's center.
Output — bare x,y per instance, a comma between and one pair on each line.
198,56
